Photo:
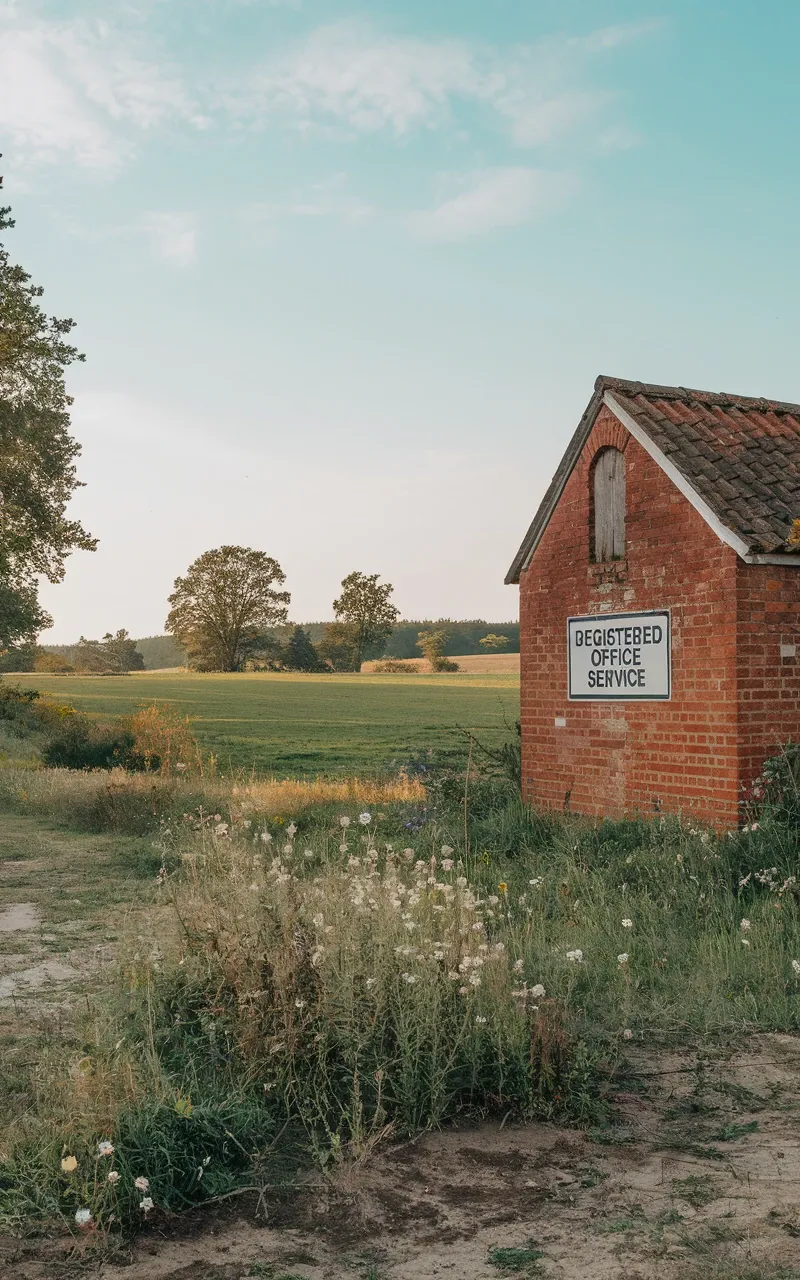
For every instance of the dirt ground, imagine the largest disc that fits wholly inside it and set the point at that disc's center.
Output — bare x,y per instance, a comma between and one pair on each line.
698,1179
701,1178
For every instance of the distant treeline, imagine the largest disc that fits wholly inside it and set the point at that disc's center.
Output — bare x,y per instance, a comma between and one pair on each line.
162,651
464,636
157,651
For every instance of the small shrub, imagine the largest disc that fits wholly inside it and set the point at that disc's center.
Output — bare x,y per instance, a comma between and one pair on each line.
393,667
776,793
51,663
162,739
80,743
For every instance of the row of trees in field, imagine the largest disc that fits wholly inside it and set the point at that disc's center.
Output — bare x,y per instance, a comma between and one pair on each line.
115,654
229,613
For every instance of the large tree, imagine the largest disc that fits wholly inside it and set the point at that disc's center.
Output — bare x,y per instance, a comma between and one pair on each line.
37,452
365,616
223,605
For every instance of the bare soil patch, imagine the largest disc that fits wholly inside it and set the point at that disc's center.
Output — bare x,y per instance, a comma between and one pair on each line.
699,1178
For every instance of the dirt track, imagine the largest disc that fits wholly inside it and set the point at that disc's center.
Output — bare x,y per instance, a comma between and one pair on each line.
702,1177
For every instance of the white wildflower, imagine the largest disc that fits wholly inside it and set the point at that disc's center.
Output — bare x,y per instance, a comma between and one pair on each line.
344,822
622,958
299,1004
365,819
318,920
105,1148
627,924
370,983
474,979
308,853
146,1204
538,991
745,942
744,925
113,1177
265,837
291,831
141,1184
627,1034
410,978
447,864
83,1217
536,882
575,956
480,1021
796,966
221,829
518,966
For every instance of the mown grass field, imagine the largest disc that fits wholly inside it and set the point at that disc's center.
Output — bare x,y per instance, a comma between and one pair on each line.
304,725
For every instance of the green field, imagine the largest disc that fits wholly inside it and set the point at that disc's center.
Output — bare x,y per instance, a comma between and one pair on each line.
295,725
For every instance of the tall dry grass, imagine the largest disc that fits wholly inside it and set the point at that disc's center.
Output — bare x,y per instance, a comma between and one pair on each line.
134,803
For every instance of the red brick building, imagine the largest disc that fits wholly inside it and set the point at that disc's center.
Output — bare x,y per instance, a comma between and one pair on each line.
660,605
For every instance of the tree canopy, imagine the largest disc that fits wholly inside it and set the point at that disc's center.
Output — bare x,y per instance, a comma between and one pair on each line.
113,653
493,641
301,654
37,452
223,605
365,619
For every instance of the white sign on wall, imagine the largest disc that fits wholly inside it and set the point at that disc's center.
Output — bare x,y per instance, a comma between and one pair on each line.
620,657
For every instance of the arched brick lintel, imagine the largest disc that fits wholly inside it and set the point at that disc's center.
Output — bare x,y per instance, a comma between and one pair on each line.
608,432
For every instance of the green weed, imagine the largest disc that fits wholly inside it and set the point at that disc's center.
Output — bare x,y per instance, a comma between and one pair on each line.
732,1132
698,1189
515,1258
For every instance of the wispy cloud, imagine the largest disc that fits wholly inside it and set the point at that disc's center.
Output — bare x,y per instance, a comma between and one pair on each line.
359,79
351,74
328,199
87,90
489,198
173,236
75,90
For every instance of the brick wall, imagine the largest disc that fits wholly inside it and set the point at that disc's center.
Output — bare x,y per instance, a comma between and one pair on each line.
768,616
627,757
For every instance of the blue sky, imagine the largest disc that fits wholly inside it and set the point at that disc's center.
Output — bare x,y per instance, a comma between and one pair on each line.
345,274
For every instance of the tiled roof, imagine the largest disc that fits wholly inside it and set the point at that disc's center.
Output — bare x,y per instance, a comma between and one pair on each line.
739,455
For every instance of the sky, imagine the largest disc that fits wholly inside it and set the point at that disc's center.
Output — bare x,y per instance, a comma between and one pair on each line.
345,274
